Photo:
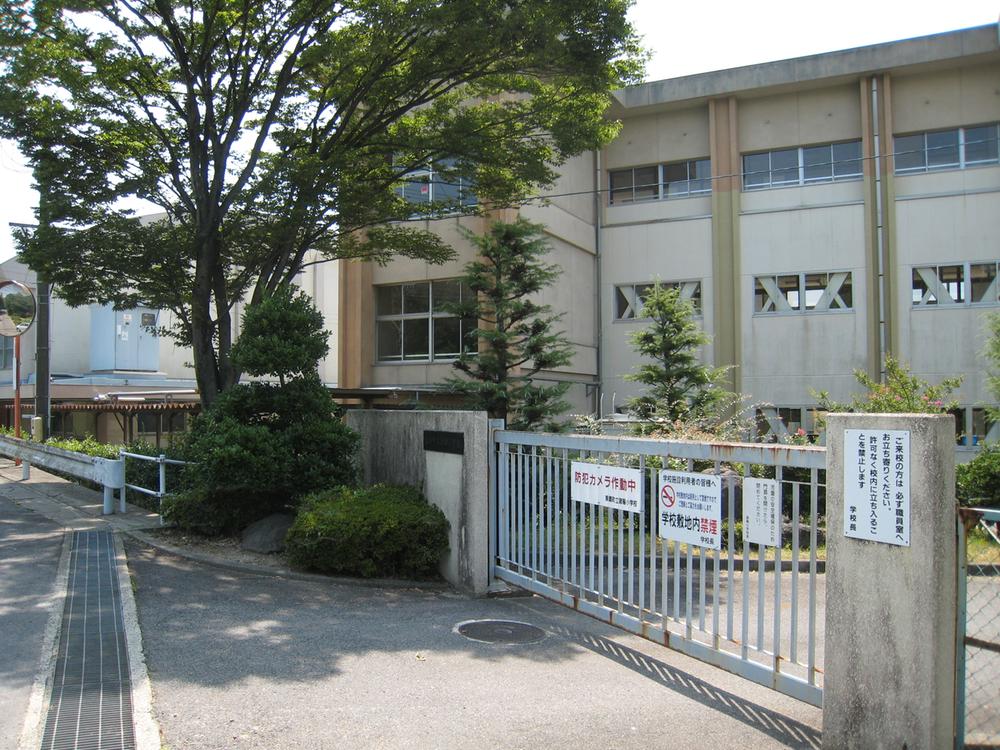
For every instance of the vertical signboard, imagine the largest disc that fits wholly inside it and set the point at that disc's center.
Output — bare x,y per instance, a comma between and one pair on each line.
690,508
762,511
610,486
877,485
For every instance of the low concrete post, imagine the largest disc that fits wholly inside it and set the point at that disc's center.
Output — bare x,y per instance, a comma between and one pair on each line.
25,471
890,608
36,429
109,501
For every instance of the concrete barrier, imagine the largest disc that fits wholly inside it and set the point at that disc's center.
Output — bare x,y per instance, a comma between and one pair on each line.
890,605
109,473
446,455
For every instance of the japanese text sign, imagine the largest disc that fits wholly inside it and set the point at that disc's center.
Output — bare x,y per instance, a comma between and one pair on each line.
762,511
877,485
610,486
690,508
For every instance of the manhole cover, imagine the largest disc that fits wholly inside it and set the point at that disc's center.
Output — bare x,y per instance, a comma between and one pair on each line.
500,631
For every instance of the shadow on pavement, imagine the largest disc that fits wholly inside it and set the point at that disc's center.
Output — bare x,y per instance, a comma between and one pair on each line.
787,731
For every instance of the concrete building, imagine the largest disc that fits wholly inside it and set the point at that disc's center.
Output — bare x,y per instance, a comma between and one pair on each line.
820,212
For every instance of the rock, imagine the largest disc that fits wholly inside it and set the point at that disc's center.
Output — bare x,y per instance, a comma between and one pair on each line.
268,534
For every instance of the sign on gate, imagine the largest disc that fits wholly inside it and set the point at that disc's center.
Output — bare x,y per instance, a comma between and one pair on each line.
690,508
761,511
877,486
610,486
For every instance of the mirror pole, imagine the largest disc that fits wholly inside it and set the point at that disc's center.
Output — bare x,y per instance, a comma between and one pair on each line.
17,386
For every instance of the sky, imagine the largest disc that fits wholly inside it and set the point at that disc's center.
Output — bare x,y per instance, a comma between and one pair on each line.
686,38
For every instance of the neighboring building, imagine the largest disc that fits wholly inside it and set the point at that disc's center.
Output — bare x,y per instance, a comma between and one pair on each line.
820,212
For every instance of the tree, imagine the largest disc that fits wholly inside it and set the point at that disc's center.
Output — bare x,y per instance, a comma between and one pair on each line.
900,392
277,133
262,446
680,386
993,355
517,336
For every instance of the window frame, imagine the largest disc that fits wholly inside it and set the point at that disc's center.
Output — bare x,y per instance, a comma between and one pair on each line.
631,300
831,293
801,180
429,173
962,163
430,315
662,189
930,276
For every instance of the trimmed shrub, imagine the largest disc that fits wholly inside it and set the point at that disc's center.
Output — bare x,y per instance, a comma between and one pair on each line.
383,531
978,482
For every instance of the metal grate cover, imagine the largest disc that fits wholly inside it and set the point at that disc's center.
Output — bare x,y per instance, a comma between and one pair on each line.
500,631
91,702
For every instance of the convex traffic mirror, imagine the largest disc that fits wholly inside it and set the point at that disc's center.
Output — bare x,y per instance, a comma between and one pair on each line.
17,308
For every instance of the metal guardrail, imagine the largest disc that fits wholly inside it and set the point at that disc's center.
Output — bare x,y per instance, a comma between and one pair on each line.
107,472
163,462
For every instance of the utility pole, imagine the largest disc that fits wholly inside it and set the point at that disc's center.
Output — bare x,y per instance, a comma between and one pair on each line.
43,401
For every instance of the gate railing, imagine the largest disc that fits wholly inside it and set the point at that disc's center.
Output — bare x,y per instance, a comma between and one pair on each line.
977,715
749,608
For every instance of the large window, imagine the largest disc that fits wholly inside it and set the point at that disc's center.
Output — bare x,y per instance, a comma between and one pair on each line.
629,297
955,284
437,184
956,148
411,324
658,181
805,165
803,292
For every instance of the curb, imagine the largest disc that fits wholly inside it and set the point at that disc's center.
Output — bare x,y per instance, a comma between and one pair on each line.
286,573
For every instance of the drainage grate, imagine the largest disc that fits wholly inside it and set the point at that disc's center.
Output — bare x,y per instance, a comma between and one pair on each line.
500,631
91,703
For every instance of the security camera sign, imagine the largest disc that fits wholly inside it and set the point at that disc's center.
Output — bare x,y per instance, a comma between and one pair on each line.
611,486
690,508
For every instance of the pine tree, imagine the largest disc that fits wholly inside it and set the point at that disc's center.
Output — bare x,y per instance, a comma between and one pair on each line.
515,332
680,385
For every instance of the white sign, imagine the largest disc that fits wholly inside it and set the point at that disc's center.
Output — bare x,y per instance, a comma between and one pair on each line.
690,508
610,486
762,511
877,485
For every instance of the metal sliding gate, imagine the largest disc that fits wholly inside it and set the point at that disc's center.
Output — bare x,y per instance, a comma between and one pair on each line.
748,608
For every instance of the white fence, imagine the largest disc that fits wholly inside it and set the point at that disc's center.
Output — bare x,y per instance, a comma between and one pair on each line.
749,608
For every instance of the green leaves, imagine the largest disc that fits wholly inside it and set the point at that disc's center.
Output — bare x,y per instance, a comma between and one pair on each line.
516,332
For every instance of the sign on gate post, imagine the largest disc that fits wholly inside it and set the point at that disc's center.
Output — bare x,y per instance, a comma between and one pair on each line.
877,486
690,508
611,486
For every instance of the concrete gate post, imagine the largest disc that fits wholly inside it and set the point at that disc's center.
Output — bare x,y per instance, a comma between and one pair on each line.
890,608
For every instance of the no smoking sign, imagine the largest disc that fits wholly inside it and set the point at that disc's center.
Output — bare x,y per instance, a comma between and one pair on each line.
667,496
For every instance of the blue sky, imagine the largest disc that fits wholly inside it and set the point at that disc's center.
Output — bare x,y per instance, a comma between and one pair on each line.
683,40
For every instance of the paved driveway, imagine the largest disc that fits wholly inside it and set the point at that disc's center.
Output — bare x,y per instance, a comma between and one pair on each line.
246,661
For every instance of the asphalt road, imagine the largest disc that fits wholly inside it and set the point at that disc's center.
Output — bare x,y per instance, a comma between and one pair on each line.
246,661
30,547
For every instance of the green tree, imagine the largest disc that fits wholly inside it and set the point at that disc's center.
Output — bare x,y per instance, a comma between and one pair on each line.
262,446
276,133
992,352
679,386
517,336
900,392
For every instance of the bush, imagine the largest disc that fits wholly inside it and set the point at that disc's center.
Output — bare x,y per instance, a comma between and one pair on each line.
261,447
385,531
978,482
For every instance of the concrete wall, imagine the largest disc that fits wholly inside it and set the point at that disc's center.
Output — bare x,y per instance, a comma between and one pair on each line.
890,610
392,451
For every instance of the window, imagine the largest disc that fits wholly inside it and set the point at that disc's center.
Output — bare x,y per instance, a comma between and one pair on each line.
776,422
803,292
982,427
6,352
806,165
674,180
955,284
411,324
629,297
946,149
437,184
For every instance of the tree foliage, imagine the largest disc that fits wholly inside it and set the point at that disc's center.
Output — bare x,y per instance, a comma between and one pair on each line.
680,388
262,446
900,392
516,332
992,353
276,133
